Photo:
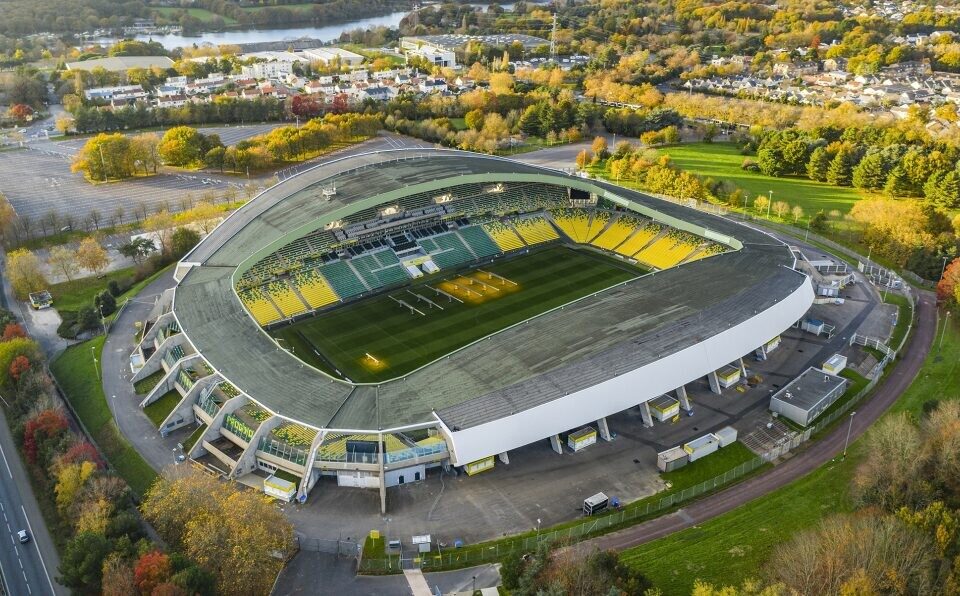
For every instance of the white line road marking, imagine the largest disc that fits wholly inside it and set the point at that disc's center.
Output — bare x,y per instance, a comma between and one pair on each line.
2,454
37,546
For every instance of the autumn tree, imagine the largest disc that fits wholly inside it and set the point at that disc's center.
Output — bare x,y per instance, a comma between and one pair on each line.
18,367
181,146
13,331
950,282
234,533
64,260
151,570
23,271
104,157
160,225
780,208
91,256
891,557
761,204
599,148
583,160
117,577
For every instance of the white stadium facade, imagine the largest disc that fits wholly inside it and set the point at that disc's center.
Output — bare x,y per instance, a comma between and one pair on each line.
358,226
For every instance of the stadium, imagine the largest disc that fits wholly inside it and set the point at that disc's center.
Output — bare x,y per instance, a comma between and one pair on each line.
389,313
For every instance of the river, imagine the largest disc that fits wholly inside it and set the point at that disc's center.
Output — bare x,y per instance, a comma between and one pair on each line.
325,33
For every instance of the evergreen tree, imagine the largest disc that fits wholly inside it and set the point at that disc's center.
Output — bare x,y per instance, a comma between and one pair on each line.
770,160
818,165
530,121
871,172
898,183
841,168
943,189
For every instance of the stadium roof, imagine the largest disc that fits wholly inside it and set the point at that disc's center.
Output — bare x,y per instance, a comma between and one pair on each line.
553,355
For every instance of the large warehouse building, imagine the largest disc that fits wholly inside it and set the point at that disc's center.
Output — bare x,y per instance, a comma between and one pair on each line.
320,329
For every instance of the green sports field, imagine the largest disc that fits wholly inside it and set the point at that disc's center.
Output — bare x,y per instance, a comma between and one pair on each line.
376,339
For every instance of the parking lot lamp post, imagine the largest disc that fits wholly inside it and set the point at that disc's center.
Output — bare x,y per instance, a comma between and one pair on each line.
846,442
103,164
946,322
769,202
538,530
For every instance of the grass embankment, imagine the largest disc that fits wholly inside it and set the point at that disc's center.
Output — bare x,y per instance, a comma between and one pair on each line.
77,373
735,546
146,384
158,411
722,161
401,341
903,318
708,467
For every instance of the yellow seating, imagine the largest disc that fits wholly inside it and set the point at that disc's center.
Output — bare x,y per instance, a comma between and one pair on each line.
616,233
535,230
262,309
638,240
666,252
295,434
575,223
286,299
315,289
599,221
503,235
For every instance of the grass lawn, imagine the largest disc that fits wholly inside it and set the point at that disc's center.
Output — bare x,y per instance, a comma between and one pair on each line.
75,371
144,385
401,341
709,467
200,14
284,475
940,376
73,295
158,411
193,438
734,546
722,161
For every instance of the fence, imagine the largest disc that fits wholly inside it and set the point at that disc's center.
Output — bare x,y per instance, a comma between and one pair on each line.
484,553
342,547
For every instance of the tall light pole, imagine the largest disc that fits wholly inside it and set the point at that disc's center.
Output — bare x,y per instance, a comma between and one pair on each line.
846,443
93,354
946,322
538,530
769,202
944,268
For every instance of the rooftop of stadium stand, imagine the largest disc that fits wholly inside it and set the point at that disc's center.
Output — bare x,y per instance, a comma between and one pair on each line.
521,367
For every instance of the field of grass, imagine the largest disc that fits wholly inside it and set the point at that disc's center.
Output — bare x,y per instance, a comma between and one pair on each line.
302,6
735,546
722,161
73,295
76,372
401,341
200,14
146,384
939,378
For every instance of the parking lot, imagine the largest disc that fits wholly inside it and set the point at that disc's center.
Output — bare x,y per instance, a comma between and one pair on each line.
38,181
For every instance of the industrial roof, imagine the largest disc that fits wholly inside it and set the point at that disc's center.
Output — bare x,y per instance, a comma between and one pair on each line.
810,388
519,368
122,63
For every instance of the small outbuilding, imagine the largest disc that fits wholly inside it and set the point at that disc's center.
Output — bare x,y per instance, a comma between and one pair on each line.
672,459
835,364
701,446
664,407
582,438
726,435
806,397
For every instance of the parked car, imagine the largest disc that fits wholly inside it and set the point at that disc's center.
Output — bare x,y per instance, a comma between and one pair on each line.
23,536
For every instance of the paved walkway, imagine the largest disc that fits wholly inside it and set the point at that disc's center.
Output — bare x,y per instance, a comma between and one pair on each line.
418,585
816,454
123,401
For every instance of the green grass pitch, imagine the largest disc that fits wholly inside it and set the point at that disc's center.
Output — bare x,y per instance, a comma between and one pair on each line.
402,341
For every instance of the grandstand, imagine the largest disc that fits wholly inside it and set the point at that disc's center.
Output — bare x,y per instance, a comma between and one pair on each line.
504,235
356,278
315,289
535,230
669,250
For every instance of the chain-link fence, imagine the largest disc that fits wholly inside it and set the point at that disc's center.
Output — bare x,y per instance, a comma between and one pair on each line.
484,553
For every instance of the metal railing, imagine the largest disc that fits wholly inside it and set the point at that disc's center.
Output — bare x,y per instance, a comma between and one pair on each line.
283,450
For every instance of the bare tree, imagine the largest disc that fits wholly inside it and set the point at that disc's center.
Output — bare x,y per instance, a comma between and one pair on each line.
52,221
117,217
890,475
95,217
848,549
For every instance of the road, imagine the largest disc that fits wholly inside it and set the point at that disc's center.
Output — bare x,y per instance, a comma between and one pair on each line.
818,453
28,569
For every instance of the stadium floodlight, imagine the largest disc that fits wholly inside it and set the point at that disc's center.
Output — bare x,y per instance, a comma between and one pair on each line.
496,188
334,225
444,198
